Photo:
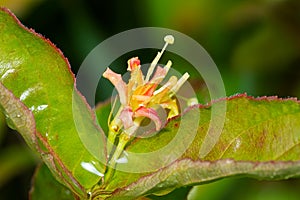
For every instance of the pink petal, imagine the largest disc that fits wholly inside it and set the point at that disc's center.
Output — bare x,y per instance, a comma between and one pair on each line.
159,75
133,63
126,117
149,113
119,84
136,80
172,106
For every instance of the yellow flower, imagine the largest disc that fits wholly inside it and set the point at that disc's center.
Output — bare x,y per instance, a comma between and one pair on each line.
142,95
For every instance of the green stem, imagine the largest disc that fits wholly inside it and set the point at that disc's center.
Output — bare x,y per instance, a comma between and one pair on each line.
111,142
114,128
123,140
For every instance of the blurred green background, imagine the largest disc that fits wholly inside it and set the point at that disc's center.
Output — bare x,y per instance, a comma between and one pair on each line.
254,43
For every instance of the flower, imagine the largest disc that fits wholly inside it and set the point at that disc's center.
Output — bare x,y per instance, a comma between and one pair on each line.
141,96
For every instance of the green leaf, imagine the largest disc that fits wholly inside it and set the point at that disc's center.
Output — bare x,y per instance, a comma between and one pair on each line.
47,188
178,194
246,189
216,190
260,139
38,98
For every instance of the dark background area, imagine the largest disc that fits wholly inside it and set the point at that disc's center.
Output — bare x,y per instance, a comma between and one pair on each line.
254,43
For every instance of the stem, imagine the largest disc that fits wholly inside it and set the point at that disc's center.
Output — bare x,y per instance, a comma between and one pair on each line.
123,140
114,127
110,142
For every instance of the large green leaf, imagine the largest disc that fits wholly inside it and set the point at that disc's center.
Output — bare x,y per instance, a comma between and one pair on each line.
260,139
47,188
36,95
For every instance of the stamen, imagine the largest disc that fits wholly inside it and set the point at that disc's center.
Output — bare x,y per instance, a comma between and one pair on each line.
172,81
111,111
168,66
169,39
160,73
152,66
179,83
140,97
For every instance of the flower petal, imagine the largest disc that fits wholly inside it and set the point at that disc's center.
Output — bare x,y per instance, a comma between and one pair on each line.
171,105
140,98
126,116
160,73
119,84
166,87
142,95
135,81
149,113
133,63
147,90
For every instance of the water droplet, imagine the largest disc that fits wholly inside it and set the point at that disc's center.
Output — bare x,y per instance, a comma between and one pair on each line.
26,93
7,72
122,160
237,144
38,108
91,168
89,194
41,107
68,192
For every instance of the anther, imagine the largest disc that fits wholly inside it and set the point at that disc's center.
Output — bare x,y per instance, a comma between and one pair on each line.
169,39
